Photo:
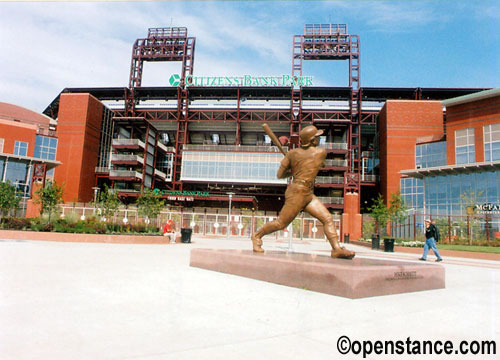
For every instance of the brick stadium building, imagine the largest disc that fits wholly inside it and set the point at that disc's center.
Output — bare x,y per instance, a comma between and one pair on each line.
199,141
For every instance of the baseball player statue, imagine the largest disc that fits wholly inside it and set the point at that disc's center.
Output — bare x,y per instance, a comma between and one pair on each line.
302,164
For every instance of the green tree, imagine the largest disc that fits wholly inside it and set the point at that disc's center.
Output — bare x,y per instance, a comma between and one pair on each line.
49,197
149,204
108,202
380,213
8,198
397,208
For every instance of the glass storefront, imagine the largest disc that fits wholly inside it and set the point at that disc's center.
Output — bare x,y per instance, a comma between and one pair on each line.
451,194
237,167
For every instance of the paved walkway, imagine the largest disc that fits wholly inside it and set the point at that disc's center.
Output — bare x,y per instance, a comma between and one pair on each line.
110,301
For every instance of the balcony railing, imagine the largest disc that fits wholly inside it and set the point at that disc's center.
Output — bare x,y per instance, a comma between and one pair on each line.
369,177
334,146
335,162
126,158
125,174
331,200
368,154
127,142
160,174
167,149
329,180
242,148
102,169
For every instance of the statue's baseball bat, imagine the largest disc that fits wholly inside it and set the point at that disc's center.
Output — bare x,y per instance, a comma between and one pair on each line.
273,137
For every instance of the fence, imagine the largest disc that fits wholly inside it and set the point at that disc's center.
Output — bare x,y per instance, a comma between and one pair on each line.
453,228
214,222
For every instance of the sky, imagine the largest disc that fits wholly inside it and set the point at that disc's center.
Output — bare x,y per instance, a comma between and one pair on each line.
48,46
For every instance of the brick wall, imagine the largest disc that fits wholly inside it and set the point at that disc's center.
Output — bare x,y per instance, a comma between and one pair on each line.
401,122
78,130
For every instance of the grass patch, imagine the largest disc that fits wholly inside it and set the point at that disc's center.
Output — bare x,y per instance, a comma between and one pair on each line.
474,248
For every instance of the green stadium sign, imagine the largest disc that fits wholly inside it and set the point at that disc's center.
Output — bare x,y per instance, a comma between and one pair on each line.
181,193
246,80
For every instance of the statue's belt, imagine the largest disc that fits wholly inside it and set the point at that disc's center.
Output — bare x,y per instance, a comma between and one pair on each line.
307,183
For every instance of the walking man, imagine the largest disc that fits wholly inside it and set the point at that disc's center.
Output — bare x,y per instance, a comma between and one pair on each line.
303,165
430,242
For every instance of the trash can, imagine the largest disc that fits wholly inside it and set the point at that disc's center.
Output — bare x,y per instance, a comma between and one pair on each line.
388,245
346,238
375,242
186,235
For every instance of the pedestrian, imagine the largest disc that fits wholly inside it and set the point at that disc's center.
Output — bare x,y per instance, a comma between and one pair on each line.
430,242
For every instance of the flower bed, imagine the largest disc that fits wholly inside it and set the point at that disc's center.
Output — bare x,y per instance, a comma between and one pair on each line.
87,226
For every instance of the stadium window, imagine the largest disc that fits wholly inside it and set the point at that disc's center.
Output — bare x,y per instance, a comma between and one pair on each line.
464,146
21,148
215,139
491,142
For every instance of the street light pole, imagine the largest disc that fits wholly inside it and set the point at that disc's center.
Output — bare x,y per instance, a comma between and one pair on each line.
229,214
96,191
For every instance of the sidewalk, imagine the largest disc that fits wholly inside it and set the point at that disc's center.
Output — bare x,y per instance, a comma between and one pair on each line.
443,252
111,301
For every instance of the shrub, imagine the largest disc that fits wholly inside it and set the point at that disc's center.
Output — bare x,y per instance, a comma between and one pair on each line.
12,223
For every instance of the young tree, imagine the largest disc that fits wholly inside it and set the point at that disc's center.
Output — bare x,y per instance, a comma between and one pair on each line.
49,197
397,208
379,213
149,204
8,198
108,202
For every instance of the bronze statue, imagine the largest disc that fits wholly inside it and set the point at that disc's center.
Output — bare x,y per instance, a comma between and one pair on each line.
303,165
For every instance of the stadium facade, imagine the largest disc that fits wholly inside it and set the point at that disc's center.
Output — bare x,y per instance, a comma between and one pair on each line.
199,143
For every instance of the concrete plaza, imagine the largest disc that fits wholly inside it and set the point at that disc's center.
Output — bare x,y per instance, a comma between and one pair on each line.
108,301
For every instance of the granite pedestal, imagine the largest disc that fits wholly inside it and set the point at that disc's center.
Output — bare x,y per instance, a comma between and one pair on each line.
356,278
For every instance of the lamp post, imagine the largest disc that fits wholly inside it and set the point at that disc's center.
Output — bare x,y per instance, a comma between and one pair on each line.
229,214
96,191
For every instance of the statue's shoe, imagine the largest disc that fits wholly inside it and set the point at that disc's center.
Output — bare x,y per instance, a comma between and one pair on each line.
257,244
342,253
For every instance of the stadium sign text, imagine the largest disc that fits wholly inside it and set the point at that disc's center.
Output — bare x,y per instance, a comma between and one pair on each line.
246,80
181,193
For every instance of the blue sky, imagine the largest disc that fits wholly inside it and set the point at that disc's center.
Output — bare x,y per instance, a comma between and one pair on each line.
45,47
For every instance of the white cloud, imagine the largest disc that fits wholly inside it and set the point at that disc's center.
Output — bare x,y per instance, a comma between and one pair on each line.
50,46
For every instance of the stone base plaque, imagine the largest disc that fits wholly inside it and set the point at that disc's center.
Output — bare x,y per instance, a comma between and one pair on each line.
357,278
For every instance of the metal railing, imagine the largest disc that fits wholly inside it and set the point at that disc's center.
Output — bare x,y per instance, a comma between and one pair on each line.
336,162
167,32
102,169
369,177
334,146
212,223
325,29
127,142
242,148
329,180
167,149
369,154
127,157
160,174
125,173
331,200
452,228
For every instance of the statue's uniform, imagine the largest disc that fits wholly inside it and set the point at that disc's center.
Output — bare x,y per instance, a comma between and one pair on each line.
303,165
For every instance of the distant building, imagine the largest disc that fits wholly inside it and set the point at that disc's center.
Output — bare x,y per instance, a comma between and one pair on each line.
458,164
28,147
